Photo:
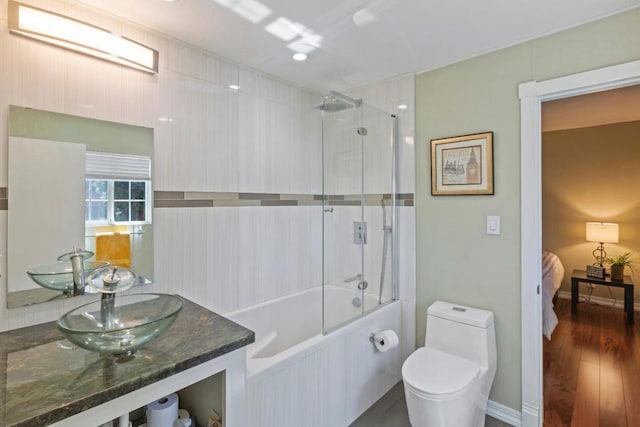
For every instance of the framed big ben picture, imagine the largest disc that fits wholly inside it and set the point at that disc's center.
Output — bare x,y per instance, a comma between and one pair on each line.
462,165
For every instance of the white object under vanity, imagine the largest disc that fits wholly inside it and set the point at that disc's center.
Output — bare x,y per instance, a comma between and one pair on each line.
48,382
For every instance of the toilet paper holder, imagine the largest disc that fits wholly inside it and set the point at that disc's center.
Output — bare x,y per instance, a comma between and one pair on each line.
373,339
384,341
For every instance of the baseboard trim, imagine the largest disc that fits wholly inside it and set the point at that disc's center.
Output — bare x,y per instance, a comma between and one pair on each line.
504,413
619,303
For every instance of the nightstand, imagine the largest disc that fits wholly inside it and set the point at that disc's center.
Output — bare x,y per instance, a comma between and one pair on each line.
581,276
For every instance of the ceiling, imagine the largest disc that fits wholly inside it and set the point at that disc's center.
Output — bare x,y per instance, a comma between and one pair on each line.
355,42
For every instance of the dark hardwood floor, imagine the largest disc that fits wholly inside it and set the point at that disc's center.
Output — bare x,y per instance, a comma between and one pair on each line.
592,368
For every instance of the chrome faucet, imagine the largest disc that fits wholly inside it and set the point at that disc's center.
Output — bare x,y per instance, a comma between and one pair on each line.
110,281
354,278
77,257
362,284
77,267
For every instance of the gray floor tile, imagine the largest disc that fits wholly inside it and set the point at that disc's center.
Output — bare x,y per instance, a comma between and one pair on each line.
391,411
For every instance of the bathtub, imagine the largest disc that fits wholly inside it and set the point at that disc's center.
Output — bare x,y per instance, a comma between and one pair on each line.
296,376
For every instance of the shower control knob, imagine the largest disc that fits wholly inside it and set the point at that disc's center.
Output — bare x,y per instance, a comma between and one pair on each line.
363,285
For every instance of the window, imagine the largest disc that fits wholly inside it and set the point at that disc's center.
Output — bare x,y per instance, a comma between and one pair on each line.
96,200
117,189
116,202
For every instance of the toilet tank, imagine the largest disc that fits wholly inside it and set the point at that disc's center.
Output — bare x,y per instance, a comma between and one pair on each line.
462,331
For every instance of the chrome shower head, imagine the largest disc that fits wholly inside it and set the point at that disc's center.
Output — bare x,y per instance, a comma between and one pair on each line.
336,101
332,106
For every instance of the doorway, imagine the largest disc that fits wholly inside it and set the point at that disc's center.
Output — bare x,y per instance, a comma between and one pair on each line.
532,94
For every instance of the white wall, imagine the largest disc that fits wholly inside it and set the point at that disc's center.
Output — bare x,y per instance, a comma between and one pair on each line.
262,138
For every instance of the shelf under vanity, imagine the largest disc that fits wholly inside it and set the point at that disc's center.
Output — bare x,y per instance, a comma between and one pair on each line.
47,381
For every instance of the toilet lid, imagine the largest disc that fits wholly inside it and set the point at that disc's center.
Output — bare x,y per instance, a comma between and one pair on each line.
435,372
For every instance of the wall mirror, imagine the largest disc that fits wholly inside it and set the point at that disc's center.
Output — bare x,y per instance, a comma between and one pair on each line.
75,182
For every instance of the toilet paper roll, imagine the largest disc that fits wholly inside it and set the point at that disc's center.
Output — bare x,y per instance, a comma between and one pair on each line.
386,340
163,412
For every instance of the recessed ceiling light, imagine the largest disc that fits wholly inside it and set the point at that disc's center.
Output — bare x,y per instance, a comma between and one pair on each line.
299,56
402,107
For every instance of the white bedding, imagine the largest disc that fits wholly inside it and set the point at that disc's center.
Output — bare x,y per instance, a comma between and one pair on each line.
552,274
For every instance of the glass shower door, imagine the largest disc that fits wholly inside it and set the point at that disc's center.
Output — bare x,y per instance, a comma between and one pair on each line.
379,204
344,231
358,209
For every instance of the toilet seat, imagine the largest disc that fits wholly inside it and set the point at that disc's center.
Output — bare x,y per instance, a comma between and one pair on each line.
437,375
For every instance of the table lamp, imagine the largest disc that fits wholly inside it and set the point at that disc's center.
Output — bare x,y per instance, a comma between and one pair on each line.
601,232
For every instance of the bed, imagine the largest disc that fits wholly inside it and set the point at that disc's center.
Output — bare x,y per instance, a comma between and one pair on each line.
552,274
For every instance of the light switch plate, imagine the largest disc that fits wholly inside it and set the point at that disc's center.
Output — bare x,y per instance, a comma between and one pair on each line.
493,225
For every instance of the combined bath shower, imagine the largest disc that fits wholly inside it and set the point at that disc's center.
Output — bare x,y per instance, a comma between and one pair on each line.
334,102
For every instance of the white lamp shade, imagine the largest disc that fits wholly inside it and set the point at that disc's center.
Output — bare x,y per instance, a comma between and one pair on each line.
605,232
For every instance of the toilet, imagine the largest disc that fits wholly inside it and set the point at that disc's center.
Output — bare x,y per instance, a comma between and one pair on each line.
447,382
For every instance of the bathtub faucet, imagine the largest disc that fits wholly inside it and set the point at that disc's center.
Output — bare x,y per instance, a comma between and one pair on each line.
354,278
361,283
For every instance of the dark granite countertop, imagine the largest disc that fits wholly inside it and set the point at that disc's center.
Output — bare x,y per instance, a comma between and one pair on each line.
44,379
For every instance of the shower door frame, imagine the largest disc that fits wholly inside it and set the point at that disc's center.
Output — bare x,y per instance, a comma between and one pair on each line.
393,263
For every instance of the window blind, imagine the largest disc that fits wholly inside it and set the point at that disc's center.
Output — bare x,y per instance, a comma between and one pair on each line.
117,166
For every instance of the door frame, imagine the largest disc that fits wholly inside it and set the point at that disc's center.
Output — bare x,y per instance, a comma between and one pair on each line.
531,95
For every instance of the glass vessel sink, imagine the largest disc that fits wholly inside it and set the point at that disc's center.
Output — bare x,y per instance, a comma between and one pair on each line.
59,276
120,325
110,280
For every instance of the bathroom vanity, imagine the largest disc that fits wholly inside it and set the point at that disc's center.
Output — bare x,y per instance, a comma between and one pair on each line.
47,381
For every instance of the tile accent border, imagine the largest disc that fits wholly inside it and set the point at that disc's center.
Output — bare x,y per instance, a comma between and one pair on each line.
202,199
197,199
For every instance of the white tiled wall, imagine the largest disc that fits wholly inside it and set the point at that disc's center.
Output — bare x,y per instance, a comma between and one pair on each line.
263,137
228,258
388,96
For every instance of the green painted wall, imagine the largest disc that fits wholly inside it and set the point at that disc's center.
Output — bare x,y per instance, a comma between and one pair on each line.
97,135
456,260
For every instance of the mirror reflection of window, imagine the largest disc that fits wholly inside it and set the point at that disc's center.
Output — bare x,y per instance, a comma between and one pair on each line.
116,202
121,147
118,189
96,201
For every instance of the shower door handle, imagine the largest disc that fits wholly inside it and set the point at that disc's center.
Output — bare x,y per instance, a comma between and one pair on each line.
363,285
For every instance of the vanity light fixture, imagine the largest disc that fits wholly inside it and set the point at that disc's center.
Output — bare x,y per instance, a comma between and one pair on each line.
68,33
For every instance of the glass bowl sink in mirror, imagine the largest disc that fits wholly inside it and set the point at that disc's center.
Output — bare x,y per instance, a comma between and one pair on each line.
59,276
111,279
120,325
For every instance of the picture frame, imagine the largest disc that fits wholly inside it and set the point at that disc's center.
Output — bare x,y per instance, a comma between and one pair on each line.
462,165
595,272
